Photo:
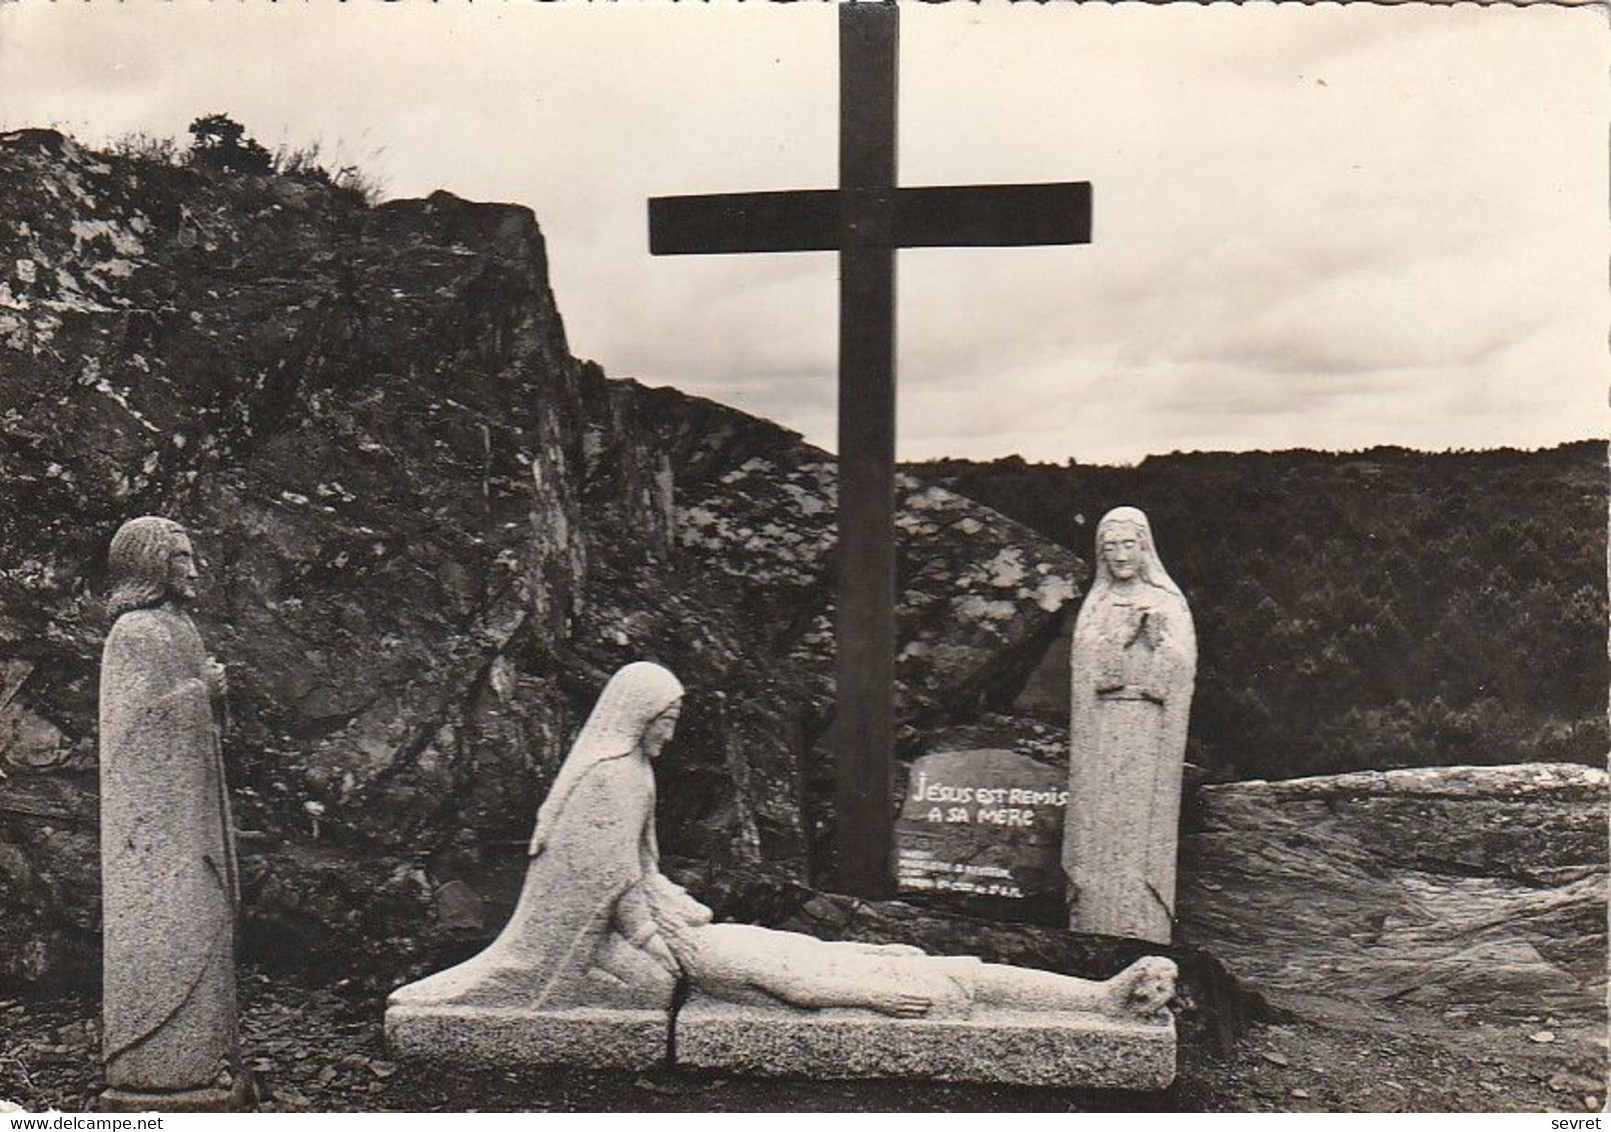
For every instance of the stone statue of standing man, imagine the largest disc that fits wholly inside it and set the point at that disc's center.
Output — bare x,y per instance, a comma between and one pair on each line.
1134,666
169,892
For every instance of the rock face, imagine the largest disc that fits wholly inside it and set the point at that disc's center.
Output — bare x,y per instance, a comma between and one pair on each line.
429,534
1473,891
978,597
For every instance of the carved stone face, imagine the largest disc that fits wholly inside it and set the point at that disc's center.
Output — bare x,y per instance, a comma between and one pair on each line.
1121,550
182,573
1155,985
660,729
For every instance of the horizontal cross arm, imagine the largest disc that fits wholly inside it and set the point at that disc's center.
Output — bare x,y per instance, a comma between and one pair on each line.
832,220
801,221
993,215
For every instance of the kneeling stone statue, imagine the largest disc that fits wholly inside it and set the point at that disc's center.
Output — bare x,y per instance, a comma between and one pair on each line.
585,971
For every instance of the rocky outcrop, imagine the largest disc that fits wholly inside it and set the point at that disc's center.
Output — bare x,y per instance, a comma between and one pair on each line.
977,599
429,534
1470,891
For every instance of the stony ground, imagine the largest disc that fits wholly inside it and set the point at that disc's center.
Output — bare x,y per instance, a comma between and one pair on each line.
320,1049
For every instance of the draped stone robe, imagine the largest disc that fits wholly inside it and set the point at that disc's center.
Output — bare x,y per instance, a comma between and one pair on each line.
583,933
168,873
1134,663
577,934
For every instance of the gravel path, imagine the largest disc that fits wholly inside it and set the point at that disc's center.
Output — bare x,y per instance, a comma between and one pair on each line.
320,1049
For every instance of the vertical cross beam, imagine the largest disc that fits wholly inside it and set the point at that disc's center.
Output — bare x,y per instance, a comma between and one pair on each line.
863,735
865,220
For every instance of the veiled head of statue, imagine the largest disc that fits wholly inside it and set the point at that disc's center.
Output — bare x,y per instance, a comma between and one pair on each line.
637,710
635,713
1125,550
150,561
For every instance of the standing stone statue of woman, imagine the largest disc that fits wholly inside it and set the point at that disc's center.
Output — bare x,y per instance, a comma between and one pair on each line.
168,877
1134,664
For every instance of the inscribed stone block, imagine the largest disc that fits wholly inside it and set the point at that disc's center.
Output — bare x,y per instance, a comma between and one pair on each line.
982,830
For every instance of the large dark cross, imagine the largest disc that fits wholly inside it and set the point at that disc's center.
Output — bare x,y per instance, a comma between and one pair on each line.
865,220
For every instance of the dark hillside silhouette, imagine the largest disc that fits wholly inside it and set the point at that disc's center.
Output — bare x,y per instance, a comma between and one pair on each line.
1377,609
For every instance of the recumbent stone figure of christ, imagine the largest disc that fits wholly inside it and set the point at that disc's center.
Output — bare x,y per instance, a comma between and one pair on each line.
597,925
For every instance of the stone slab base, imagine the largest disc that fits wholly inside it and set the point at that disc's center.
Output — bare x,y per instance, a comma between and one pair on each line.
995,1047
502,1036
236,1099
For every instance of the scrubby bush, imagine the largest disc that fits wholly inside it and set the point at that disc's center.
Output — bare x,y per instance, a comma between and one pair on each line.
141,146
220,142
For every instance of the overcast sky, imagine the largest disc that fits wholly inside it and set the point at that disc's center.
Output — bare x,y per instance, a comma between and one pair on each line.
1314,226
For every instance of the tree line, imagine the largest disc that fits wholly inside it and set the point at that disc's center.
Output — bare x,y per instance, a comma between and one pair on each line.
1367,610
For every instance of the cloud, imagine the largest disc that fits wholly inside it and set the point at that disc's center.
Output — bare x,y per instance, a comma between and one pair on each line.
1314,225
